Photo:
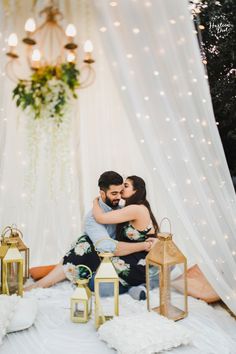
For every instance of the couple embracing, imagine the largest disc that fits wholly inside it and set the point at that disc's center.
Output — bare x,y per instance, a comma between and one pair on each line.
128,232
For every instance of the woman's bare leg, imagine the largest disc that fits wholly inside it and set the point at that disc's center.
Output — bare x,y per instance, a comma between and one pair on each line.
55,276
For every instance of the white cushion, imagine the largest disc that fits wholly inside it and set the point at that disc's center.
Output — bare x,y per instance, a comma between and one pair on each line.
8,306
16,314
24,315
144,333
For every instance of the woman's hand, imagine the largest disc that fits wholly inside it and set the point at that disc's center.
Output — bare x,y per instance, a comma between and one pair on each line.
149,243
96,200
97,210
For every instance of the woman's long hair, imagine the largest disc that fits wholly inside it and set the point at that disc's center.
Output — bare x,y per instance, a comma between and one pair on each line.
139,198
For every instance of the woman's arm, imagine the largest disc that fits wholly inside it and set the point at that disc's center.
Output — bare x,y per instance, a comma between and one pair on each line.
128,213
125,248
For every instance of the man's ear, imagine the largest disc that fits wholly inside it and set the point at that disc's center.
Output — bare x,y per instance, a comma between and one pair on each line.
103,195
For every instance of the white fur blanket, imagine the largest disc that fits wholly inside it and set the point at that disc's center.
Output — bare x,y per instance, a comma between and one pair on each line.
214,329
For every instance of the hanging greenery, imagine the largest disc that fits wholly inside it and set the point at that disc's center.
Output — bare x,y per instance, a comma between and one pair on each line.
48,93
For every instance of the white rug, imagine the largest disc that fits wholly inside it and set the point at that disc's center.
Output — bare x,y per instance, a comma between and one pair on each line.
54,333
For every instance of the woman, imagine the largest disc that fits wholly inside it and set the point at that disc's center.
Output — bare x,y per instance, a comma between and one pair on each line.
136,223
135,216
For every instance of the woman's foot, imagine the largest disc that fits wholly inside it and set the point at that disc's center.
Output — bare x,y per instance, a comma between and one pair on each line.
31,286
55,276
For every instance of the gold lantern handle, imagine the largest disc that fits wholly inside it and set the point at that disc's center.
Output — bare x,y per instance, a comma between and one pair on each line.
12,229
168,221
5,232
107,254
84,266
15,228
164,236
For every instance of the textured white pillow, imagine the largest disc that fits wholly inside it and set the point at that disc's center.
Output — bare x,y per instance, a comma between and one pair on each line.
16,313
8,305
145,333
24,315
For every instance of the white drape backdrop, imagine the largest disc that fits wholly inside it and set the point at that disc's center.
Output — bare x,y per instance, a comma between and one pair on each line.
149,112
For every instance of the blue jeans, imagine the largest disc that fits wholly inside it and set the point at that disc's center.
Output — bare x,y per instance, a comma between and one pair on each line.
107,289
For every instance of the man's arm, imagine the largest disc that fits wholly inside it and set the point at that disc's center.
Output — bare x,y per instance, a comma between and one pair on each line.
98,232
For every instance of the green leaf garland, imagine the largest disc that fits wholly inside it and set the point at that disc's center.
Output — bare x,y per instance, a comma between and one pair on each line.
48,92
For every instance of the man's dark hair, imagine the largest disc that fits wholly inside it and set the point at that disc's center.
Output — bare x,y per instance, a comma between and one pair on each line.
108,178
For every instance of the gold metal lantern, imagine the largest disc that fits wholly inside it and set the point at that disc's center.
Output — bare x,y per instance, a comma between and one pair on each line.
11,267
106,273
165,255
81,300
13,233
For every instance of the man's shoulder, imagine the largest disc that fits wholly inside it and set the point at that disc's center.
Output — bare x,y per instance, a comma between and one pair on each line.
89,215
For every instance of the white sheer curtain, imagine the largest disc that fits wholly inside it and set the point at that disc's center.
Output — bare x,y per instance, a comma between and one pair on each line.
46,206
154,56
149,113
38,180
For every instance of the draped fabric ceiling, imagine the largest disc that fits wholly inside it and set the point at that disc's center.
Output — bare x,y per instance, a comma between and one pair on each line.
148,113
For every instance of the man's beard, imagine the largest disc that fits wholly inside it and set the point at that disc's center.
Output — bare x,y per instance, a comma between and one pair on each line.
111,203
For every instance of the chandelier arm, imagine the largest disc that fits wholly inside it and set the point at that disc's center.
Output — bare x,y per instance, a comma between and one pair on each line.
11,73
43,37
60,57
28,55
62,33
40,28
90,78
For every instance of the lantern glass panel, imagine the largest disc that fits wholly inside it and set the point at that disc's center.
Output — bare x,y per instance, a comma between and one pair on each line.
23,255
78,309
107,309
12,277
170,303
154,281
178,299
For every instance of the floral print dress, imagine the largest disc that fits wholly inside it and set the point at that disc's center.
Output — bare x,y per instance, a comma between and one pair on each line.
130,268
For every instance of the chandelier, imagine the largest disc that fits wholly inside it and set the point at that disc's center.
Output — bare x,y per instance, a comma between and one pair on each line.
48,45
